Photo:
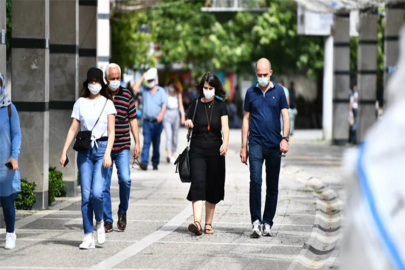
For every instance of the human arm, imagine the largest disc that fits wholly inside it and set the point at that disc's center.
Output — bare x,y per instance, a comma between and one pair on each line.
245,130
181,109
286,130
111,137
137,86
135,133
74,128
15,133
225,133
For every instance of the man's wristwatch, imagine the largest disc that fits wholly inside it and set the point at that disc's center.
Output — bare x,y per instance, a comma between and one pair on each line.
286,138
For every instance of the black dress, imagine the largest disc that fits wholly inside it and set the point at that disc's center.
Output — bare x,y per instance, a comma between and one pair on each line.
207,165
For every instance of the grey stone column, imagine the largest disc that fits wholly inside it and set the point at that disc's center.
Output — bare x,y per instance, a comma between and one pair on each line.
3,57
30,79
63,83
87,37
341,82
367,70
394,19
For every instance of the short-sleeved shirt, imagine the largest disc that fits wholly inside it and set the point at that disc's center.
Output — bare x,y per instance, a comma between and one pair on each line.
152,104
87,112
126,111
204,140
265,110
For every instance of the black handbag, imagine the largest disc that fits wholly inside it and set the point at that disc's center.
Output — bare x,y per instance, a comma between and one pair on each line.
183,160
83,137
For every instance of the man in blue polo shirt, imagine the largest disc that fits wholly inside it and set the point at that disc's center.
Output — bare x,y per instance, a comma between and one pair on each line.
264,103
154,101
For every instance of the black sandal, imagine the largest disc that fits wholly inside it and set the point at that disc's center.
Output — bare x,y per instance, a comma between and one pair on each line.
195,228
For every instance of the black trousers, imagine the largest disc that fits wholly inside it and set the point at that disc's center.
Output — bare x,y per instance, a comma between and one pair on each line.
207,178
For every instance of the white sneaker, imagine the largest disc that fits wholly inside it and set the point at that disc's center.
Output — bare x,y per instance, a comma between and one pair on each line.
172,160
100,233
10,240
266,230
88,242
256,229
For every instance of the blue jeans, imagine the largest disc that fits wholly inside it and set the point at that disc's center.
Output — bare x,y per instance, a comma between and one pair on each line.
151,134
93,175
121,159
9,211
272,157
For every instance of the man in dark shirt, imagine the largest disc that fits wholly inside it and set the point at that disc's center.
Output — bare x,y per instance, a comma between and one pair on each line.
264,102
124,121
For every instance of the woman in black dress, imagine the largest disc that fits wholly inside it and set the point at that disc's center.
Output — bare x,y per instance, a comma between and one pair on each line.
209,145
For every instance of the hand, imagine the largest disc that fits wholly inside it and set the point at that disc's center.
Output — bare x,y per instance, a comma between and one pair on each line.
107,161
189,124
284,146
137,151
244,154
160,118
183,120
223,150
14,163
62,159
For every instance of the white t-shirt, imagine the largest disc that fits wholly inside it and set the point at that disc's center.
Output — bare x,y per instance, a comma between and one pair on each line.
354,98
172,102
87,112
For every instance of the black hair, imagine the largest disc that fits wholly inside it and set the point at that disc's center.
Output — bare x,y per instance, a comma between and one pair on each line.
214,81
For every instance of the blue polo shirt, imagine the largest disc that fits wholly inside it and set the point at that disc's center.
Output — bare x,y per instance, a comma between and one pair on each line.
152,104
265,110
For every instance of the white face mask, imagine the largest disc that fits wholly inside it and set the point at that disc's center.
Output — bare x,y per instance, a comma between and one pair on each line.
208,94
151,84
263,81
114,85
170,88
94,88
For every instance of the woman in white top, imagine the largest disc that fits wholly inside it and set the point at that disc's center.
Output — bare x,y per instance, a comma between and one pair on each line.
173,116
93,111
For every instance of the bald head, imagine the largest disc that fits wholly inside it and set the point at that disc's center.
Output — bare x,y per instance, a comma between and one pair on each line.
263,71
263,63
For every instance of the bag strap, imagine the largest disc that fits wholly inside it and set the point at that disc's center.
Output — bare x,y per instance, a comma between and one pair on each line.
190,131
9,111
100,114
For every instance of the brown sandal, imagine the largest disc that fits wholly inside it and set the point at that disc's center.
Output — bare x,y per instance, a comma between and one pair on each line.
195,228
207,230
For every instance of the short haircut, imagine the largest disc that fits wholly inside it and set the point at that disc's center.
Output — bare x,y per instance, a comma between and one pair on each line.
107,69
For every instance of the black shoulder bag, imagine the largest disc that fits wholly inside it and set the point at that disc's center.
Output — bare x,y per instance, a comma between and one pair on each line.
83,137
183,161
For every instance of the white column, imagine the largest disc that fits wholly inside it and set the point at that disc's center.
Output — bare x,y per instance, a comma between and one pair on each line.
327,110
3,57
103,33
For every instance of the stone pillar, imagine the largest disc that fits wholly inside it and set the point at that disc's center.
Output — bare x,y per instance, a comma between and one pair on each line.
327,110
341,82
3,57
394,19
30,80
63,81
87,37
367,70
103,34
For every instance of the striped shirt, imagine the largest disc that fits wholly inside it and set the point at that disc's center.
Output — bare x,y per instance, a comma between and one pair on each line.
125,106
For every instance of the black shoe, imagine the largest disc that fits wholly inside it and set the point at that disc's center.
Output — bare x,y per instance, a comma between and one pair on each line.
155,168
122,221
143,166
108,227
168,159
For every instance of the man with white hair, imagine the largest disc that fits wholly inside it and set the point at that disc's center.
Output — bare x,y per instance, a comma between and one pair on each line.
154,100
125,120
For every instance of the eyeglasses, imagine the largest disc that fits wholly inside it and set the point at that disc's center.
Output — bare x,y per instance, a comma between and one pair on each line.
136,162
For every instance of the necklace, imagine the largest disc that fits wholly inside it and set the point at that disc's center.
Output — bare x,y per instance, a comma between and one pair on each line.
206,113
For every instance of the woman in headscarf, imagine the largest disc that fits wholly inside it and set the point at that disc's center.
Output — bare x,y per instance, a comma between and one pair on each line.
10,143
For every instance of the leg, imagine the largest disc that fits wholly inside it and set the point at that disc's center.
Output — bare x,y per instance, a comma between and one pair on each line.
106,193
209,215
175,135
167,125
273,162
100,175
9,211
124,179
156,143
255,193
147,139
85,166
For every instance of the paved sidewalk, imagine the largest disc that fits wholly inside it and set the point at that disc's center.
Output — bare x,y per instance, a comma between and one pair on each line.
157,236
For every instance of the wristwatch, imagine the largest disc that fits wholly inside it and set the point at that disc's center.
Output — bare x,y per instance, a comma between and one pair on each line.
286,138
